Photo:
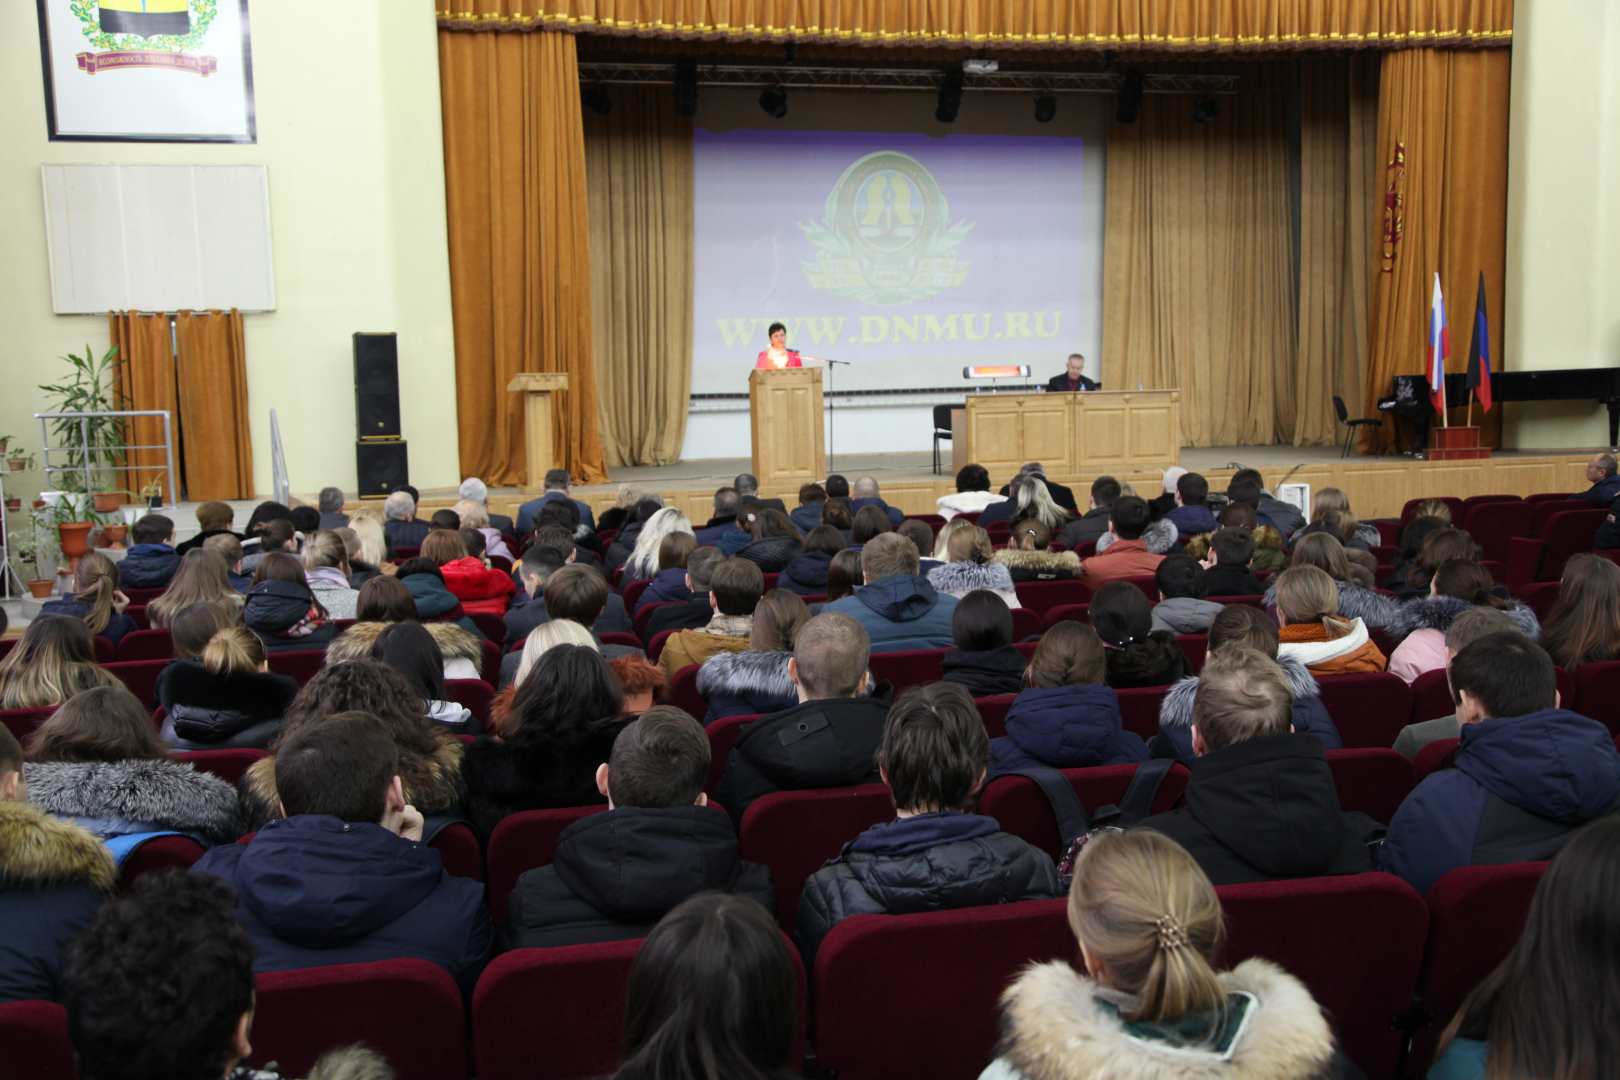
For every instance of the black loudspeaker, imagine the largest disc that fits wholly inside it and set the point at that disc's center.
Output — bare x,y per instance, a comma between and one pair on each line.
382,466
376,386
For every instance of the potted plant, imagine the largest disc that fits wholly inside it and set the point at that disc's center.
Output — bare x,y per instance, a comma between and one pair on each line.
13,502
19,460
73,524
152,494
35,552
108,502
95,446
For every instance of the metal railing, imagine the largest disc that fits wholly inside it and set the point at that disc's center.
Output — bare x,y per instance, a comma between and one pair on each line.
90,453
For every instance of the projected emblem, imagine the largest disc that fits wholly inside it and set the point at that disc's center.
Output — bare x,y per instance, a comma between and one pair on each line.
887,239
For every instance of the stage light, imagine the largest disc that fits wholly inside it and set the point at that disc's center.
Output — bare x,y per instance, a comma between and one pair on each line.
1205,109
686,88
950,97
774,101
1045,109
981,66
1130,98
596,99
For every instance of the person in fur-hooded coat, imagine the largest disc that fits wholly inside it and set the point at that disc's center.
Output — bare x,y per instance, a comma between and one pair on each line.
746,683
1355,602
1174,739
1160,537
432,785
1039,565
53,878
207,710
463,654
960,578
1268,549
123,797
1420,626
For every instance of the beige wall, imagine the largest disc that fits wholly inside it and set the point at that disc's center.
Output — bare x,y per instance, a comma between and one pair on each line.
347,100
1563,245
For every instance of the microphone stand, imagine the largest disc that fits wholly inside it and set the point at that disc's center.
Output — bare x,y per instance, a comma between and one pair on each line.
830,428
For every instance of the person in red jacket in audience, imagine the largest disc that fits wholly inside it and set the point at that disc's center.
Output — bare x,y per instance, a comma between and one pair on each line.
478,587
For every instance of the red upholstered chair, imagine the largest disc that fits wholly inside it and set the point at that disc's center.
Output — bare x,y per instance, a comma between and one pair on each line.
522,842
1139,709
655,647
1389,531
1597,693
618,576
1497,570
403,553
722,733
1547,496
146,645
1194,647
1087,549
501,563
1431,697
6,645
1148,584
1372,780
141,678
1539,596
770,581
558,1014
1042,596
1476,914
137,615
794,832
606,536
458,850
1568,532
993,711
1080,613
1566,688
913,668
633,591
34,1035
1436,756
22,722
1253,601
1355,941
158,853
683,692
1021,808
489,665
644,616
917,995
228,765
408,1010
1454,504
1472,501
144,596
1382,639
1368,709
614,637
1385,553
1026,649
1492,525
302,664
106,651
1026,623
473,694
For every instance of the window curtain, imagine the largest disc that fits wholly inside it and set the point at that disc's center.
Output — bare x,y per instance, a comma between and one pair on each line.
145,380
638,168
1447,111
211,370
520,269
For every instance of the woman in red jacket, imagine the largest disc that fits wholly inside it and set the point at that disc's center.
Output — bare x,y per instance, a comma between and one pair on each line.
478,587
778,355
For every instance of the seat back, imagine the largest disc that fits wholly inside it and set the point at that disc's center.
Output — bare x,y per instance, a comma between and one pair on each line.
473,694
1373,780
1383,640
683,692
1431,697
1080,613
1437,756
1597,693
301,1014
722,733
22,722
993,711
34,1034
1547,496
655,647
633,591
619,637
1539,597
1369,709
1026,623
301,665
1568,533
1355,941
1256,602
140,676
158,853
490,625
489,665
522,842
144,596
1148,584
228,765
1492,525
1472,501
918,995
1195,647
644,616
1021,808
794,832
146,645
911,668
1042,596
1546,509
942,418
458,850
1139,709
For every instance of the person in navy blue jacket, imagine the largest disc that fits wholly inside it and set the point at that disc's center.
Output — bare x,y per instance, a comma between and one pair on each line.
557,485
1528,773
152,561
1600,471
344,878
866,494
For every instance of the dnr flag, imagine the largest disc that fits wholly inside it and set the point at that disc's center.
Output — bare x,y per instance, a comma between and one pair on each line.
1439,349
146,18
1479,352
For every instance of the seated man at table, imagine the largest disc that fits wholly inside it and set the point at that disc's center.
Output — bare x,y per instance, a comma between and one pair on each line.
1073,378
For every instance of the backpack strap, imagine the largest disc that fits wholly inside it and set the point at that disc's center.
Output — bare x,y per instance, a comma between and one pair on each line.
1137,802
1072,819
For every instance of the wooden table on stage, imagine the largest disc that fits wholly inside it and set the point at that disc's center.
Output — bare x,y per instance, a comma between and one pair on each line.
537,388
789,435
1069,434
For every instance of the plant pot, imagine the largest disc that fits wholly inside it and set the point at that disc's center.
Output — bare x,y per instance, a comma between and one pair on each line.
40,588
75,536
16,466
107,503
39,504
155,502
14,503
114,535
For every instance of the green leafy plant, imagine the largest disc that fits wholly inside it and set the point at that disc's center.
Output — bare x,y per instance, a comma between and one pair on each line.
91,386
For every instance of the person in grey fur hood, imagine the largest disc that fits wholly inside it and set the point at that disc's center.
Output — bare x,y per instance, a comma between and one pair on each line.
1160,537
1325,552
1420,625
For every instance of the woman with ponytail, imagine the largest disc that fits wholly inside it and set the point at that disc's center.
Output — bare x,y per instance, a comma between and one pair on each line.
227,698
1137,654
1420,625
969,564
1313,631
96,599
1150,1005
1028,555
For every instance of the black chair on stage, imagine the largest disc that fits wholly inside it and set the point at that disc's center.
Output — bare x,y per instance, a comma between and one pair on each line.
1351,425
942,430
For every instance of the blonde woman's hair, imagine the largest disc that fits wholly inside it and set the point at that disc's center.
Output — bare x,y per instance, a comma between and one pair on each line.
965,541
324,548
94,582
1306,594
473,515
1433,508
643,561
1328,498
370,511
548,635
1147,913
232,650
1035,501
55,660
373,544
1031,534
1128,490
202,578
942,539
628,495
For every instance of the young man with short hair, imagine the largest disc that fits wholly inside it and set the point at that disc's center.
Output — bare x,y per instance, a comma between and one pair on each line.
828,739
1127,554
230,548
1261,805
897,606
558,485
1247,486
151,561
614,875
1226,567
735,587
1468,627
1192,514
807,515
343,877
1091,526
214,518
696,612
1528,774
1183,588
935,855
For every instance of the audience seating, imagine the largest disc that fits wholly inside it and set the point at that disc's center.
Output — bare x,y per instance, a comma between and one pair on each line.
1383,640
615,637
501,563
633,591
1435,756
1256,602
1546,508
1021,808
1042,596
1476,914
1431,697
1026,649
1139,709
722,733
655,647
474,694
1567,532
137,615
1195,647
228,765
1497,570
6,645
408,1010
34,1035
1547,496
1148,584
459,851
683,692
1372,780
492,626
22,722
106,651
146,645
1368,709
522,842
301,664
141,677
1026,623
794,832
490,666
158,853
1472,501
403,553
993,711
1597,693
1389,531
644,616
1492,525
1080,613
1539,596
771,580
558,1014
911,668
143,596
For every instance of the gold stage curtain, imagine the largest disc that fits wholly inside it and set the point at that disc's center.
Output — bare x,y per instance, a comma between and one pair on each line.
1448,110
1198,266
1194,25
638,168
146,381
520,264
211,363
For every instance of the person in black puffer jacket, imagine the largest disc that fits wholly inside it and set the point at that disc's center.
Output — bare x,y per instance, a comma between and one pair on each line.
228,698
1138,655
984,660
776,542
935,855
806,574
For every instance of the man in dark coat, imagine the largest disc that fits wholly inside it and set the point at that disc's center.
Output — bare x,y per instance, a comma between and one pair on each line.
557,485
747,488
1094,522
1261,805
726,501
151,562
616,874
696,612
934,855
1226,567
898,608
866,494
1600,473
1528,774
344,878
401,526
828,739
1072,379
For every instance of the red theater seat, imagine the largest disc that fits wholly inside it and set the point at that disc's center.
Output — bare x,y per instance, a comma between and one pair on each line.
618,637
1567,533
228,765
522,842
912,668
1539,596
459,851
158,853
1494,524
1435,756
106,651
683,692
473,694
644,616
655,647
1597,693
1372,780
722,733
1042,596
146,645
143,596
35,1041
1255,602
301,664
1021,808
1026,623
140,676
1080,613
1455,505
490,625
1547,496
794,832
1139,709
633,591
993,711
22,722
1369,709
1195,647
1472,501
1431,697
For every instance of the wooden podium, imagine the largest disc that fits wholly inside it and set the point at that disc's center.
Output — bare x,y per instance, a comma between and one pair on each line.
789,439
537,388
1074,433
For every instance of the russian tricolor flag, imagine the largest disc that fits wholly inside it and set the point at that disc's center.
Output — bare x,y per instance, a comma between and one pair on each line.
1439,349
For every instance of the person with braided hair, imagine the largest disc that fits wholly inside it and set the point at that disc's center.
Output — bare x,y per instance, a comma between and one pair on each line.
1151,1005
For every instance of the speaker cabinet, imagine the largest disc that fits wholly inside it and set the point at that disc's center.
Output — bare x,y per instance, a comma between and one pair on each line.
382,467
376,386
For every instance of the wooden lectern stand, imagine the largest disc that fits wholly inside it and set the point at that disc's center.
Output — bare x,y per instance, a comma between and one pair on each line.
785,419
537,387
